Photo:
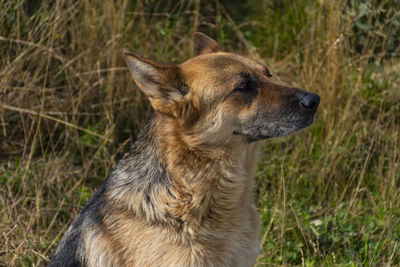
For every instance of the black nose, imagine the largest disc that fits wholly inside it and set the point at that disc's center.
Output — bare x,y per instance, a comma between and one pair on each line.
309,101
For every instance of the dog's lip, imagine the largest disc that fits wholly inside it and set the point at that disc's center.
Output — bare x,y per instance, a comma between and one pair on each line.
300,124
252,137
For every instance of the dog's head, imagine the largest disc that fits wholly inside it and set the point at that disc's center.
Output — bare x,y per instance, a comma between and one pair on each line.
222,98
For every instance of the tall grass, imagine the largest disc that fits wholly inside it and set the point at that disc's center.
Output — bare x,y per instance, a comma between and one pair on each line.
69,110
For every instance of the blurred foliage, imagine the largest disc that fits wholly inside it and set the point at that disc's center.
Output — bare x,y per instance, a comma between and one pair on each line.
376,26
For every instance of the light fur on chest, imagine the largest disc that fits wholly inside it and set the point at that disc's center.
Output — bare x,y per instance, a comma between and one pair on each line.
219,222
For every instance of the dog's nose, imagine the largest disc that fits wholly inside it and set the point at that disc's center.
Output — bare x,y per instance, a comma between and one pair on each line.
309,101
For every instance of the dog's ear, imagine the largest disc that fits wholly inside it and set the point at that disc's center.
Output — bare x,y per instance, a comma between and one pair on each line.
204,44
162,83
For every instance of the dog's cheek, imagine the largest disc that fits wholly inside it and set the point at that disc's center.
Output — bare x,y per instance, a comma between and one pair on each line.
227,120
246,114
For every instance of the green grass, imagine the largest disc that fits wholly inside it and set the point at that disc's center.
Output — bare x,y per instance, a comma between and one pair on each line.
328,196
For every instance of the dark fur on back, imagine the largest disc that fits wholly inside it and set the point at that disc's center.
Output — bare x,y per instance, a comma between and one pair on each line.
132,175
67,252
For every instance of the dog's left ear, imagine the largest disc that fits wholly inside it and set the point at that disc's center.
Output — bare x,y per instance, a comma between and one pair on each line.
204,44
162,83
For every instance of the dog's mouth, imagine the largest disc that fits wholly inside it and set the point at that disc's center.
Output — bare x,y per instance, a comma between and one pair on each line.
264,130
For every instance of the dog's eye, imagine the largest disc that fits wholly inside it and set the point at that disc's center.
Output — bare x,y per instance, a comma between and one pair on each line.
267,73
246,86
242,86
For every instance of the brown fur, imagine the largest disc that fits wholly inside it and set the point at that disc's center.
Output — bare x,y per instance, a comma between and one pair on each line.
222,185
210,111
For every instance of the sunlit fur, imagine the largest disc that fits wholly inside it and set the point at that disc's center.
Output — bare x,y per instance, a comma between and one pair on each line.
182,195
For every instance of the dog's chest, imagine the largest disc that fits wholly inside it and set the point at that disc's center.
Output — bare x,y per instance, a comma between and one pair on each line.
234,241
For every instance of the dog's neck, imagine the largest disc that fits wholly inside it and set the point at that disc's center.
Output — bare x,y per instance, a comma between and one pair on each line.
206,179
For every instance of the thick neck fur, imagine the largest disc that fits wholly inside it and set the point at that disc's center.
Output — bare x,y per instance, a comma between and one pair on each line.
166,181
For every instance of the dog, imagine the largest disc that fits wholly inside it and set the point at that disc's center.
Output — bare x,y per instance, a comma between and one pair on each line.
182,195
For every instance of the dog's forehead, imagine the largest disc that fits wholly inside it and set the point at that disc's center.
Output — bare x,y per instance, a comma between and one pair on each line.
220,62
215,72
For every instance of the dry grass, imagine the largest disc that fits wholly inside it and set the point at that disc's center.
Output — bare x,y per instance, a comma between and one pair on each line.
68,110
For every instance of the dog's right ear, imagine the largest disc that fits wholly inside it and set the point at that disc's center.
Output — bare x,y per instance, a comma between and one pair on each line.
163,84
204,44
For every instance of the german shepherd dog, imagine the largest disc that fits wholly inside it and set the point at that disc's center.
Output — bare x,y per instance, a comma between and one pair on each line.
182,195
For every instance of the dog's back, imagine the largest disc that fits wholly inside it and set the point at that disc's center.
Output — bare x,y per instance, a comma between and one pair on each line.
69,251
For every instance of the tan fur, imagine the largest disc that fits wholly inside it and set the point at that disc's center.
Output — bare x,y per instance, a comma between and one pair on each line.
212,171
183,195
228,237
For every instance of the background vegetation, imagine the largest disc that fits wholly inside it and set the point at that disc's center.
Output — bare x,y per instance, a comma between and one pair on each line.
69,110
